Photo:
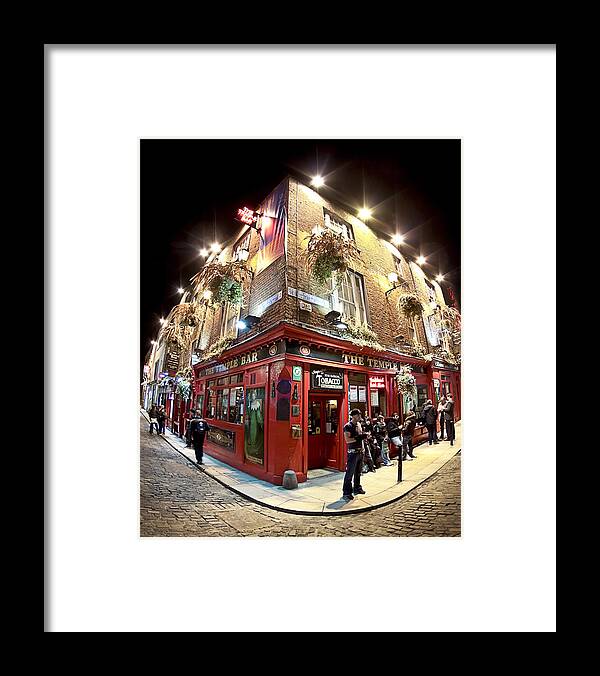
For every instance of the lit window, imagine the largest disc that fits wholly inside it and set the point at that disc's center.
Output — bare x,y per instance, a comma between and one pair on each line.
349,297
337,225
229,319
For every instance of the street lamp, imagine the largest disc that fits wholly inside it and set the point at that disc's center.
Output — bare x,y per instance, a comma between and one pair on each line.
318,181
439,278
398,239
204,252
421,260
365,213
215,247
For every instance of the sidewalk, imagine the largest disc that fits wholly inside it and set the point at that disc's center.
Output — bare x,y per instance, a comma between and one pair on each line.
321,493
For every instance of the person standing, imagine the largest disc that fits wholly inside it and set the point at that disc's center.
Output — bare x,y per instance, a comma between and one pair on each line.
198,429
430,417
161,416
449,416
441,406
394,432
410,422
381,438
353,435
188,428
153,414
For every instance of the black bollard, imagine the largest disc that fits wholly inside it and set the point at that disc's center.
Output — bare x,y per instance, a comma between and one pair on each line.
400,464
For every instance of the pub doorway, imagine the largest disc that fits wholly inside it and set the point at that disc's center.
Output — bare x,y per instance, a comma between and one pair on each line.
323,431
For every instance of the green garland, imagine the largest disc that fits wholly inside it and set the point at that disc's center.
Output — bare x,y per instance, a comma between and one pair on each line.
329,254
363,336
215,350
226,290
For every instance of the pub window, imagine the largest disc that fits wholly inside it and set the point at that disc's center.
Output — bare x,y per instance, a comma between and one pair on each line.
222,402
337,225
236,405
349,297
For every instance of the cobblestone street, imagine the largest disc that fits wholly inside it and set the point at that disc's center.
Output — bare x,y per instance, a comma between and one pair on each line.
177,499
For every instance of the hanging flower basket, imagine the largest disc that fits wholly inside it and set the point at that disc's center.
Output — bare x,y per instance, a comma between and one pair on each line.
225,281
410,305
329,255
225,290
405,381
184,388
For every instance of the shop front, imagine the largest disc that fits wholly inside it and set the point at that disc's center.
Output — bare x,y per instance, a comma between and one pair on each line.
280,401
445,379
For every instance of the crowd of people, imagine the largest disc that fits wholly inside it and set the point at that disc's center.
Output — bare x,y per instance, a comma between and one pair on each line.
158,417
368,441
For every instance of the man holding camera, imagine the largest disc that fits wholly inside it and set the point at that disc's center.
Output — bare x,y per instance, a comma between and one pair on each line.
354,435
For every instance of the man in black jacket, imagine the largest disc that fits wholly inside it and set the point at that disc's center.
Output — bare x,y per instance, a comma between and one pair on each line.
410,422
198,429
449,417
429,415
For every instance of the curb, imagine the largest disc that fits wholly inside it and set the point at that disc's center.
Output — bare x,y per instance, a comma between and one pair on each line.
360,510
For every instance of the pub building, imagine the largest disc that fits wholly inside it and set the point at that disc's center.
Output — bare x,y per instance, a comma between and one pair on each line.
278,396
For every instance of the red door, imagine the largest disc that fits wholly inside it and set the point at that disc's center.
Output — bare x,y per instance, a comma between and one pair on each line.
323,431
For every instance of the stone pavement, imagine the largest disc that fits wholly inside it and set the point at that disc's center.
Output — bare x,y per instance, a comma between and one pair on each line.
178,499
321,494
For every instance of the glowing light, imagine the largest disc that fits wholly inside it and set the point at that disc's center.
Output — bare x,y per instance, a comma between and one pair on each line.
180,290
162,320
398,239
318,181
204,252
421,260
215,247
393,277
153,342
243,255
439,278
365,213
317,230
207,294
241,324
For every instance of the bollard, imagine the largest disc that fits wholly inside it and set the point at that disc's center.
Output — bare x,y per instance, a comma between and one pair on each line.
290,480
400,464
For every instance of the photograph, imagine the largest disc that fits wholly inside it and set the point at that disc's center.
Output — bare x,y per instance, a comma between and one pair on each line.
300,337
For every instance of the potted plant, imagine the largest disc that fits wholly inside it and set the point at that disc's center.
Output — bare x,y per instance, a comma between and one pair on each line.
329,255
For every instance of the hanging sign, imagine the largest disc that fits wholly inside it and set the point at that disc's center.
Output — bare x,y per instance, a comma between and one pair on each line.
247,216
376,382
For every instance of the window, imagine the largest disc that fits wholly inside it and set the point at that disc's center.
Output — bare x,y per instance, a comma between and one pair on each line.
242,248
338,226
229,319
236,405
349,297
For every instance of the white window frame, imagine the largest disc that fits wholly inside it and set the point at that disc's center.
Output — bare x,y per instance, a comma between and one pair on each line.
339,226
229,313
356,284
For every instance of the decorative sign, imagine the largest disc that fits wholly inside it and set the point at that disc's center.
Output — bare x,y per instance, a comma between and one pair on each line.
296,372
259,309
374,398
307,307
259,354
327,380
376,382
372,362
353,393
362,393
436,382
273,350
247,216
315,300
254,426
295,410
223,438
304,350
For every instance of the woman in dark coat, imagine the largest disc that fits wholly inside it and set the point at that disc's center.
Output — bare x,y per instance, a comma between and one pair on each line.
429,415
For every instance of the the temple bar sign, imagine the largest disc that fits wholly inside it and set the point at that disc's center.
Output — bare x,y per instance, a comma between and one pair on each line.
371,362
326,380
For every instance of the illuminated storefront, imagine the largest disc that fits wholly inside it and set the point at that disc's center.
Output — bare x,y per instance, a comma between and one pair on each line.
280,400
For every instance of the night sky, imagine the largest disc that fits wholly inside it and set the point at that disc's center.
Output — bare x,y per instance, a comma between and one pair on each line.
191,190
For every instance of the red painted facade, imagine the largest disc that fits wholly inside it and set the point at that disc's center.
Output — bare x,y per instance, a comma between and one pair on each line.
306,432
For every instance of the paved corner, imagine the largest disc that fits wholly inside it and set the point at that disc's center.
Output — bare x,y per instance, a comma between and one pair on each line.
177,499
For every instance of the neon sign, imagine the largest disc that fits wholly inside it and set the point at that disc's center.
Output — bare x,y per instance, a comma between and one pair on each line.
247,216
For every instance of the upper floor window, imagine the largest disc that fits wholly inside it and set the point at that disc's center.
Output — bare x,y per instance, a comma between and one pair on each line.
349,297
241,250
337,225
230,315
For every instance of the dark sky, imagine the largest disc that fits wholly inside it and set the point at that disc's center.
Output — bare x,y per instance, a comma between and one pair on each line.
191,190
